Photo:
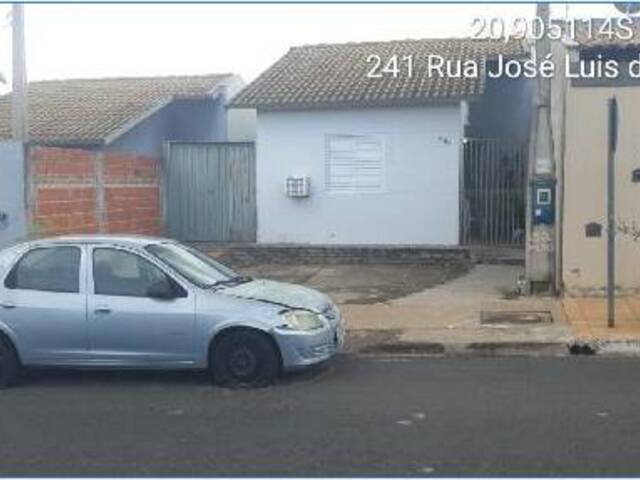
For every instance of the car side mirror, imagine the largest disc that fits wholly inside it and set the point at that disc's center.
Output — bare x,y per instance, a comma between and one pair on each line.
161,290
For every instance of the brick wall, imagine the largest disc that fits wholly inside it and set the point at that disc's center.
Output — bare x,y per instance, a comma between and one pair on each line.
81,191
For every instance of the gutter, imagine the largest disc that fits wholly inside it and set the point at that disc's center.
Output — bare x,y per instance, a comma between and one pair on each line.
357,105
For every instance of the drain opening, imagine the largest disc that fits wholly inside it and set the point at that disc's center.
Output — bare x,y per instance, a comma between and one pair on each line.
515,318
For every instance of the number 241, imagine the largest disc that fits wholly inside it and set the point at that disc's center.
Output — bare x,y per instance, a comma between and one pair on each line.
393,66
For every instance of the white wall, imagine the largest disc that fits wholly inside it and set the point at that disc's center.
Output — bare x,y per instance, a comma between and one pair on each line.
13,225
241,122
418,206
241,125
584,259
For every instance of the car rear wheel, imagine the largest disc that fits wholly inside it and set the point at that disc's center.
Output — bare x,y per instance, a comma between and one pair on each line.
9,365
244,358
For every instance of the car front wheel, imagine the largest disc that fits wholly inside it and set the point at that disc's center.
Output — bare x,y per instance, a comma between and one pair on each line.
244,358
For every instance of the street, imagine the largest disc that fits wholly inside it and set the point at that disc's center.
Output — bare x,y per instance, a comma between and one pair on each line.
358,415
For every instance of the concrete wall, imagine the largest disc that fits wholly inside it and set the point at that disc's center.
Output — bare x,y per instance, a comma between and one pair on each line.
241,125
420,201
12,195
198,121
559,85
180,120
584,259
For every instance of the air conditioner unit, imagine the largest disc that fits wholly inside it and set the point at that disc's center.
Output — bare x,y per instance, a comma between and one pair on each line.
297,187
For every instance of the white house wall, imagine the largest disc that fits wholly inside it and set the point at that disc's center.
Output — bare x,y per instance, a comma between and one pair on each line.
419,204
584,258
13,225
241,125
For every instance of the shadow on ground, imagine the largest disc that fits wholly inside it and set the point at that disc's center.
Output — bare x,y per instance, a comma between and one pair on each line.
53,378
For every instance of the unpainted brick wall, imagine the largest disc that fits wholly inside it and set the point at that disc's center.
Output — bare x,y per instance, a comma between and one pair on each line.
83,191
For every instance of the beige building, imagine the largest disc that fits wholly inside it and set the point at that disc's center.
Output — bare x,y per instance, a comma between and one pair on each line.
579,119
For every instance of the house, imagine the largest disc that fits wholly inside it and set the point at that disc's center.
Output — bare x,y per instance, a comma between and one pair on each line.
125,114
579,121
368,143
95,146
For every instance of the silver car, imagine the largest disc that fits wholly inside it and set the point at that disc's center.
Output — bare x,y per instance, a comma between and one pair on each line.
140,302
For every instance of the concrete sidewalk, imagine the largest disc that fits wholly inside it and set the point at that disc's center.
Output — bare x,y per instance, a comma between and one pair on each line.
587,316
436,307
447,318
423,308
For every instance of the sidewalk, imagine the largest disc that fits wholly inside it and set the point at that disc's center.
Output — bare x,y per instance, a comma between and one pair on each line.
437,309
587,317
447,319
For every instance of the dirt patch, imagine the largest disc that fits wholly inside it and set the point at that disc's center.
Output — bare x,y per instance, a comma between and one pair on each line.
359,284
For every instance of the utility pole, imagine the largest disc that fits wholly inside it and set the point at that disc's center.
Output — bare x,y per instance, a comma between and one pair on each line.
19,121
540,246
612,120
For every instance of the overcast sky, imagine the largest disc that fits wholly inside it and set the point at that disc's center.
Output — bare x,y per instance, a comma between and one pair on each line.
80,41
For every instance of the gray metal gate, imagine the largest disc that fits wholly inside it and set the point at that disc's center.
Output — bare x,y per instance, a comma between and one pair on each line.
494,180
210,191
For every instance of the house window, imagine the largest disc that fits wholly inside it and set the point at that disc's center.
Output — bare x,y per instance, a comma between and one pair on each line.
355,163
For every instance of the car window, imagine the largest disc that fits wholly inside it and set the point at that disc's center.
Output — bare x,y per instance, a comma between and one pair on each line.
7,257
117,272
190,263
54,269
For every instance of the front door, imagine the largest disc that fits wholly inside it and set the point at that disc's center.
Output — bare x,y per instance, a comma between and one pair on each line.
128,326
43,301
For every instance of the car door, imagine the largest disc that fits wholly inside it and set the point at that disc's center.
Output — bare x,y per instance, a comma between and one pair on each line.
43,301
128,326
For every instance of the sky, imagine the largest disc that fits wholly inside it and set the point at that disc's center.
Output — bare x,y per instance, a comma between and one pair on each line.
87,41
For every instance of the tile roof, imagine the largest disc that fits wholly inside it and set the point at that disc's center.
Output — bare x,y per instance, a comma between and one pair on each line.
90,111
329,75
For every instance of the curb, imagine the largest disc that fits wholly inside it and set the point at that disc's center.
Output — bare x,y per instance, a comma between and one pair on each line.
386,342
623,348
504,349
473,349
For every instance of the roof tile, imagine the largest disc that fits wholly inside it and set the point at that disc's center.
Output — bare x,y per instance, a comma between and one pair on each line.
325,75
88,111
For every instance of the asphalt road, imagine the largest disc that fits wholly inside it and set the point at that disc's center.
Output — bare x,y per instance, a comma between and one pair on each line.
376,416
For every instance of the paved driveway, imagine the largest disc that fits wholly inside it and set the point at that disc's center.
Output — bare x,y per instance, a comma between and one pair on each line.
358,283
451,313
429,307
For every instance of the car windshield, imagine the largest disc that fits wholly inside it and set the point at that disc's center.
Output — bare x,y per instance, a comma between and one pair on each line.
192,264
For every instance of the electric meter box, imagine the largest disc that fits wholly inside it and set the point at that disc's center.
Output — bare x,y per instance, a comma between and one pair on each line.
543,202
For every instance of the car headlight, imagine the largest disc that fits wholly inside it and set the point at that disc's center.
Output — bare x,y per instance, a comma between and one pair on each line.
301,320
332,312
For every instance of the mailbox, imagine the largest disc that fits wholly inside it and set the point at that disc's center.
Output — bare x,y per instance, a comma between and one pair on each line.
593,230
543,202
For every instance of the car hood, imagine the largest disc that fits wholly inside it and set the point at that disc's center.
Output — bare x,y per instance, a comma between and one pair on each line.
279,293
